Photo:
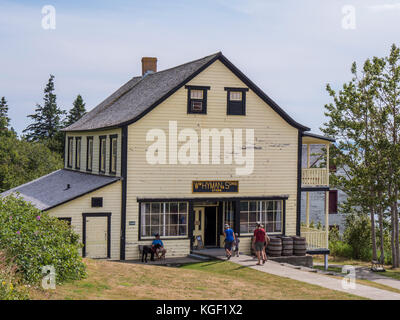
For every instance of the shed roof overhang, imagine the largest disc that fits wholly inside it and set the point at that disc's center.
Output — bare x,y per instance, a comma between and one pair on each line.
312,138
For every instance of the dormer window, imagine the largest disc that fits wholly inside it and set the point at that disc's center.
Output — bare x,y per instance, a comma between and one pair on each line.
197,99
236,101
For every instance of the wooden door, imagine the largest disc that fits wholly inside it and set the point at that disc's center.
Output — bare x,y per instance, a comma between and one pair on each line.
198,224
96,237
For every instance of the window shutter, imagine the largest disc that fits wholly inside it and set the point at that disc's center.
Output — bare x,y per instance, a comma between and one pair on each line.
333,199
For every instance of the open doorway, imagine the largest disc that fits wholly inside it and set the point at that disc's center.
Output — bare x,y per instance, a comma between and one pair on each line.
210,224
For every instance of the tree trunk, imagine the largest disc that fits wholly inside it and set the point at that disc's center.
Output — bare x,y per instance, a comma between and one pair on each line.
381,235
373,234
396,223
394,233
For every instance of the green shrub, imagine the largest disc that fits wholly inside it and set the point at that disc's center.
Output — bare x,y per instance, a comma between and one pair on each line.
358,235
33,239
340,249
10,287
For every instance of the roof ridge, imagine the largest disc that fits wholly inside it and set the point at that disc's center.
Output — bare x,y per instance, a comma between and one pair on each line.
186,63
141,78
112,101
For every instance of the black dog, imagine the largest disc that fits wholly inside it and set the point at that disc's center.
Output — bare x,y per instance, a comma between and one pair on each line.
145,251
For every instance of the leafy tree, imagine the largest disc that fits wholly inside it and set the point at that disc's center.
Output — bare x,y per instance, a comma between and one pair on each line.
22,161
365,119
47,120
4,119
78,111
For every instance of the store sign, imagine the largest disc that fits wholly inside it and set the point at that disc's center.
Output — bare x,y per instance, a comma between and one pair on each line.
215,186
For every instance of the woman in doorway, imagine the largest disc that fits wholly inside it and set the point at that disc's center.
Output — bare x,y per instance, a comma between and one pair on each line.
229,239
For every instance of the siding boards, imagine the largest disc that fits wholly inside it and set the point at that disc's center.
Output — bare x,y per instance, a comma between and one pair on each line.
111,203
275,163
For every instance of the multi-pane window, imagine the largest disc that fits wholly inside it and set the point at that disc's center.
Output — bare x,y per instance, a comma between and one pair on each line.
228,210
89,154
102,154
113,154
235,96
168,219
268,212
197,99
77,153
70,152
236,101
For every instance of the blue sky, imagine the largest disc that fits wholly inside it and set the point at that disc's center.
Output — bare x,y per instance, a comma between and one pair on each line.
291,49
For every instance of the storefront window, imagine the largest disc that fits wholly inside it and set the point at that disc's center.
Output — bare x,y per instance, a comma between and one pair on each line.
268,212
228,213
169,219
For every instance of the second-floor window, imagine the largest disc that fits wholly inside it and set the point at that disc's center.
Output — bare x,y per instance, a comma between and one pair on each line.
70,151
89,154
333,201
236,101
102,154
197,99
113,153
77,153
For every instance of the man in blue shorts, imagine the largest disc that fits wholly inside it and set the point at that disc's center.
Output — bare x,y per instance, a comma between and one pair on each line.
229,239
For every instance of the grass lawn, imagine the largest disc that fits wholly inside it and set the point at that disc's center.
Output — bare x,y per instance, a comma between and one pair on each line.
205,280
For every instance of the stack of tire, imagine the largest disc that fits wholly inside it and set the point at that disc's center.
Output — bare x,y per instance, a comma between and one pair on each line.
287,246
274,248
299,246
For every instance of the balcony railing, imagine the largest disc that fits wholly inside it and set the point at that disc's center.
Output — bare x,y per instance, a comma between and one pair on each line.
315,238
314,177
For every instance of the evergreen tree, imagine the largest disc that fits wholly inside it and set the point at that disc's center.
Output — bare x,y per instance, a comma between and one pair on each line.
47,118
78,111
4,119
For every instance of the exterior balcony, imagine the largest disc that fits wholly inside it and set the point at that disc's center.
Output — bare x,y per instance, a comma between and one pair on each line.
315,177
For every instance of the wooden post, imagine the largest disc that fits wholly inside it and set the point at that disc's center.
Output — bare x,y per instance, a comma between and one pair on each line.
307,193
327,218
327,164
327,198
307,209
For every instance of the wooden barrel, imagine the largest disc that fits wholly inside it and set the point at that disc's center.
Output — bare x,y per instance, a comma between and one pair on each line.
274,248
299,246
287,246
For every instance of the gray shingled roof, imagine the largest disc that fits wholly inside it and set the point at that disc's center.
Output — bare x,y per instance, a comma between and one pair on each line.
137,95
51,190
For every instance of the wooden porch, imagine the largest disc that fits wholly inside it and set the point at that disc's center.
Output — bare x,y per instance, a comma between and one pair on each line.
315,177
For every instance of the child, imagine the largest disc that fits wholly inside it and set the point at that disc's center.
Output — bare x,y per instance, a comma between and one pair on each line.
236,243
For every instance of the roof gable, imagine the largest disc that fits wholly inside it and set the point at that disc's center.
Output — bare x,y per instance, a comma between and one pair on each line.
140,95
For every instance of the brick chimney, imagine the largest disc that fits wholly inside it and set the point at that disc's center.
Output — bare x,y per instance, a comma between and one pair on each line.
149,64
